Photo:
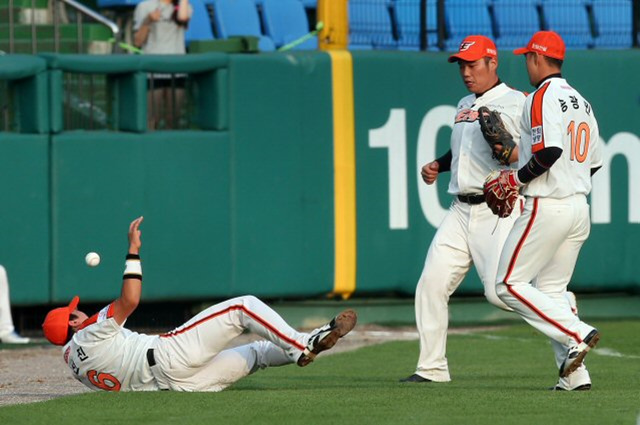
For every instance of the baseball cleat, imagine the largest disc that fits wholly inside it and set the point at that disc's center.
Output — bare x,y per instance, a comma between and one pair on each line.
577,353
13,338
326,337
583,387
415,378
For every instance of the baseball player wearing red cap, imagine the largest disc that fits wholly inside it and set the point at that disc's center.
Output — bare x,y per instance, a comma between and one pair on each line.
559,152
470,233
104,355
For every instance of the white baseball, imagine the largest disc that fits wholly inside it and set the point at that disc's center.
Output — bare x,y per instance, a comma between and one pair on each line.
92,259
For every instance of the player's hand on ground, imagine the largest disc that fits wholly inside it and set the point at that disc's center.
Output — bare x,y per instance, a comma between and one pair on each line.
430,172
134,236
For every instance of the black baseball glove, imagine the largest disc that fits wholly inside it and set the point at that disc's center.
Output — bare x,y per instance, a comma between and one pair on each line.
496,134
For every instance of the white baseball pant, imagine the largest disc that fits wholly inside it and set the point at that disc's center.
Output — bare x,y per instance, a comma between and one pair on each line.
537,263
6,322
469,234
193,356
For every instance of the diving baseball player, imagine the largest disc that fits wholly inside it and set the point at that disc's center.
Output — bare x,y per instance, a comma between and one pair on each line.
470,233
559,152
104,355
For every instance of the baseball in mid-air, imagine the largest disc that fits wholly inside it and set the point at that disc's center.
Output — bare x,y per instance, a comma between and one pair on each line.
92,259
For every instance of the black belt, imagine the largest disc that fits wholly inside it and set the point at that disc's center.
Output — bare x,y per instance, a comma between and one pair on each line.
151,358
471,199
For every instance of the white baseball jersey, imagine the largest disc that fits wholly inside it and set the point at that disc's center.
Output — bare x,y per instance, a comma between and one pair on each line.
557,115
471,155
469,234
105,356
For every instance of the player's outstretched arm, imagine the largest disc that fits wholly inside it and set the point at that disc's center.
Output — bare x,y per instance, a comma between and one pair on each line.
132,280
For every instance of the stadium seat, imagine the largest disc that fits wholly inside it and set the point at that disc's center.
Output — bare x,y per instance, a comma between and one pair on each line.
286,21
309,4
407,14
239,18
465,17
200,25
370,25
515,22
570,19
613,23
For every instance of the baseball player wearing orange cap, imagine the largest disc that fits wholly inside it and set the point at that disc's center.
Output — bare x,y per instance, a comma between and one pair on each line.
559,152
104,355
470,233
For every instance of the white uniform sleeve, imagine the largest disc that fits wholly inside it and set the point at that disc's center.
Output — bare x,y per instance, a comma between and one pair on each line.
595,144
100,326
511,117
552,132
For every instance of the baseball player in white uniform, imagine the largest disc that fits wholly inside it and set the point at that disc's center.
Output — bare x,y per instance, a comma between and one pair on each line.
470,233
8,334
104,355
559,152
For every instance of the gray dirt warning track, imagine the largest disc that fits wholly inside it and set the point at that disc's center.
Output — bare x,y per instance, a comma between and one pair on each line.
38,373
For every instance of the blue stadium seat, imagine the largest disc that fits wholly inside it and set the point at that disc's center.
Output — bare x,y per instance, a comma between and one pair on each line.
286,21
407,13
570,19
613,23
515,22
466,17
309,4
200,25
238,18
370,25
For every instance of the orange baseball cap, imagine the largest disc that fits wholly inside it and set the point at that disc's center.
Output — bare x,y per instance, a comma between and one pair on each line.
547,43
56,324
475,47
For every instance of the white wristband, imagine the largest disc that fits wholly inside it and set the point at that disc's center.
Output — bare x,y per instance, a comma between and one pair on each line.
133,269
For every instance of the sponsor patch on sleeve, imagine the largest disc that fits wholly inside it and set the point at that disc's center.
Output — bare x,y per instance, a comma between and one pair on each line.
536,135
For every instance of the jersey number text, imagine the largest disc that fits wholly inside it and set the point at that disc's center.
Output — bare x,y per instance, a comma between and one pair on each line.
104,381
579,140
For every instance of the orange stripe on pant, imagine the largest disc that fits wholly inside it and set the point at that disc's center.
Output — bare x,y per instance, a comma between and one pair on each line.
519,297
248,313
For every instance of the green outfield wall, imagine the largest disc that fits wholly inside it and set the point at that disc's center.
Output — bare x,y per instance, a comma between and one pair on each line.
247,203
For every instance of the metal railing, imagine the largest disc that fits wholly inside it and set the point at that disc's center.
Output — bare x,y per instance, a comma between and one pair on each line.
81,12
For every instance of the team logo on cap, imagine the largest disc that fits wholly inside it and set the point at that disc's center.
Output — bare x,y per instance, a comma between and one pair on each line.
465,45
539,47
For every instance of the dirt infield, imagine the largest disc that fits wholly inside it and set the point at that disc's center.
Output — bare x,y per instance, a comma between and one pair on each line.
38,373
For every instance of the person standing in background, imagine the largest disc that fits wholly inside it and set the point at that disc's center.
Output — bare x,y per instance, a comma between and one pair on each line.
159,28
8,334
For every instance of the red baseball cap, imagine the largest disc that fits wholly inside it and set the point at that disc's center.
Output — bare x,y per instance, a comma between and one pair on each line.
547,43
475,47
56,324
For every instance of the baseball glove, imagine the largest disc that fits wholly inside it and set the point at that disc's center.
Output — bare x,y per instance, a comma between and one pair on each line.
501,192
495,133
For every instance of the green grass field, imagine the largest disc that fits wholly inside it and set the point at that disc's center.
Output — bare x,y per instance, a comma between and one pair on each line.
499,377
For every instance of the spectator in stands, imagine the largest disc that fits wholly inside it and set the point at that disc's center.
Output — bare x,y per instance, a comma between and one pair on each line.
159,27
8,334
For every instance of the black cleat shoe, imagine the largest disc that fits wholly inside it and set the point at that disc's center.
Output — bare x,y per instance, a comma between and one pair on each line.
577,353
583,387
326,337
415,378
